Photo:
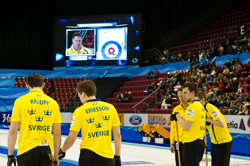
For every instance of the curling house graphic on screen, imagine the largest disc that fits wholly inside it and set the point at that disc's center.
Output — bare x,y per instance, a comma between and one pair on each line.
97,40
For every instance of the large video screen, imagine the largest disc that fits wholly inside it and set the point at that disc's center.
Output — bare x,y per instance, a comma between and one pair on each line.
97,40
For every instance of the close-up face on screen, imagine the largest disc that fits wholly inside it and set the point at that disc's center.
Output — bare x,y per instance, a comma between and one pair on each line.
97,40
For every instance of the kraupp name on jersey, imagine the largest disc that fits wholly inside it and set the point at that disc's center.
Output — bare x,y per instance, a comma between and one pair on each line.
97,109
41,102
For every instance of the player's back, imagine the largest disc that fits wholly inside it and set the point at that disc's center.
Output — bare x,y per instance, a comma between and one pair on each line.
36,113
97,119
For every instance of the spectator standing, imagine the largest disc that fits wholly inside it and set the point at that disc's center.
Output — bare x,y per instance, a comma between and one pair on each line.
214,52
221,51
200,55
157,73
151,74
190,57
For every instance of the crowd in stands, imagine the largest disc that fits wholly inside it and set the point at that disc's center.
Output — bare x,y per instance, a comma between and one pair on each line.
243,46
226,86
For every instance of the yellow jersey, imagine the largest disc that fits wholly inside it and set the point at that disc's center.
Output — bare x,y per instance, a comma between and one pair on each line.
196,114
83,50
95,119
36,113
173,133
217,134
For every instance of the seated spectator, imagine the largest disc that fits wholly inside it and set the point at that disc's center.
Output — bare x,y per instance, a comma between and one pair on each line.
237,72
229,50
225,71
210,65
235,49
208,87
177,87
194,73
233,85
234,110
245,48
227,63
233,61
162,83
214,52
190,57
175,78
202,66
240,50
242,109
213,71
206,71
209,78
196,63
244,41
119,97
151,74
199,72
127,97
221,51
179,58
240,89
157,73
214,99
218,101
167,103
221,85
247,71
152,87
238,62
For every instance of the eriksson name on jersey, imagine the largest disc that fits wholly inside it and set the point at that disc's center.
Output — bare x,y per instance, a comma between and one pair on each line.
97,109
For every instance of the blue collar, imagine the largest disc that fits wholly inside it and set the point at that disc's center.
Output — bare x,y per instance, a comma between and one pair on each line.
195,100
205,106
92,100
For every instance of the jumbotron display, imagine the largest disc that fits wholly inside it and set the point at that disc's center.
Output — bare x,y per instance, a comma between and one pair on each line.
97,40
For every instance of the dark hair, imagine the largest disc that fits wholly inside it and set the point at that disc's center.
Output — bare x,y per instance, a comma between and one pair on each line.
180,89
201,95
76,34
88,87
191,87
35,80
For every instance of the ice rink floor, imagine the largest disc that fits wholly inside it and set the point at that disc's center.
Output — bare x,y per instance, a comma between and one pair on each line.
132,154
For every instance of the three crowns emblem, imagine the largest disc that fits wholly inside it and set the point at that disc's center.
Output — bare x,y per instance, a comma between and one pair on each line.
98,125
47,112
32,112
106,118
90,120
39,119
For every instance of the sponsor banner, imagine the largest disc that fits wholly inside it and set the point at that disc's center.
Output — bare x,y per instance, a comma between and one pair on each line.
237,124
121,117
161,119
135,119
5,117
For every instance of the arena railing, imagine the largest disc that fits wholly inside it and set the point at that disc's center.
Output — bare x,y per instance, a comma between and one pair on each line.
159,87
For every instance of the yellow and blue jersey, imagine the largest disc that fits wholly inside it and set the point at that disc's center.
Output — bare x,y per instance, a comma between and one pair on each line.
96,119
196,114
36,113
217,134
